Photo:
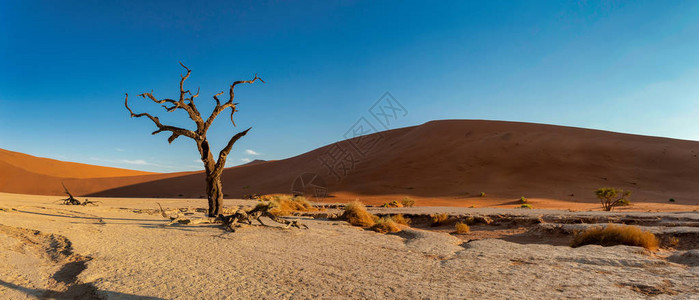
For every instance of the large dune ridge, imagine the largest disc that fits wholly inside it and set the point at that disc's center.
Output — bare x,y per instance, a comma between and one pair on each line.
448,161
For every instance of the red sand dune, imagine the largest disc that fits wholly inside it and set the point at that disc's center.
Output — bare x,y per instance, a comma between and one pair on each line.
451,160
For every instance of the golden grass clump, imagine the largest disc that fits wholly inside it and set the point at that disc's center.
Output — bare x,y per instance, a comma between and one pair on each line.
439,219
284,205
357,215
400,219
385,225
462,228
612,235
393,203
407,202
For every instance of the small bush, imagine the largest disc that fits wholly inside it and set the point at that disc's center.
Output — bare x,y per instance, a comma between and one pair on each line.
612,235
522,200
527,206
357,215
439,219
284,205
672,241
672,200
611,197
385,225
470,220
400,219
393,203
482,194
462,228
407,202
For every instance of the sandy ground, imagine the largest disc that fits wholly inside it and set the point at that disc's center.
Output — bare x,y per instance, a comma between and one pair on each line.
119,251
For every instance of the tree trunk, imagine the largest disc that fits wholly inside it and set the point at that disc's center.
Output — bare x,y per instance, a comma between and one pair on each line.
214,191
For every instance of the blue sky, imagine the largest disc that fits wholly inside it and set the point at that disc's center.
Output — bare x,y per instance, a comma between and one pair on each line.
621,66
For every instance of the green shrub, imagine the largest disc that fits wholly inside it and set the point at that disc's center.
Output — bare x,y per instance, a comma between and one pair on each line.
482,194
672,200
528,206
522,200
611,197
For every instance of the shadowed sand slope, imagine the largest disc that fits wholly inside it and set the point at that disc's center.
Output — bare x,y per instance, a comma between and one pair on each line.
26,174
459,159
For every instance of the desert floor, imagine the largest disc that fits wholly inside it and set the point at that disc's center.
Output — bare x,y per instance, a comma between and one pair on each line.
123,249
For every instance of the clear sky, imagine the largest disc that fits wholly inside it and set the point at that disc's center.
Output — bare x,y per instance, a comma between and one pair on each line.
628,66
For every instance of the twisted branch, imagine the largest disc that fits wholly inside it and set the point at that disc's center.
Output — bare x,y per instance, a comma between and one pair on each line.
176,131
221,107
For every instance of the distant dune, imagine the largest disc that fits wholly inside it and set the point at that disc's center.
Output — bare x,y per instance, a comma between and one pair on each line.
449,159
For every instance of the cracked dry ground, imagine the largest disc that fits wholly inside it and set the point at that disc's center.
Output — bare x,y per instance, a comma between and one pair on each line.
106,252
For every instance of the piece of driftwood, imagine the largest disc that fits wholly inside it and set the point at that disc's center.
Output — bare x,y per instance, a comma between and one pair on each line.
72,201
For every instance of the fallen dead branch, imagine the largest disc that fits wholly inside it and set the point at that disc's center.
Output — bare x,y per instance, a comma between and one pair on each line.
235,220
72,201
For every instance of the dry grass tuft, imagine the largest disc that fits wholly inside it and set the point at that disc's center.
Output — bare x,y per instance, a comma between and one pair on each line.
400,219
393,203
439,219
284,205
407,202
612,235
357,215
462,228
385,225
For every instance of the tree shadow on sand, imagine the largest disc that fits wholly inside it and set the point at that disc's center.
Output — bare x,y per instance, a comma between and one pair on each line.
78,291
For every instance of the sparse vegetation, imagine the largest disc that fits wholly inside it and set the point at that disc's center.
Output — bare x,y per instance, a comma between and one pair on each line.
470,220
385,225
672,241
407,202
522,200
400,219
672,200
439,219
284,205
612,235
462,228
527,206
482,194
611,197
393,203
624,202
357,215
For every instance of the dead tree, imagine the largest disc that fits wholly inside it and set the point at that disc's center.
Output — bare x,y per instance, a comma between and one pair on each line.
72,201
213,167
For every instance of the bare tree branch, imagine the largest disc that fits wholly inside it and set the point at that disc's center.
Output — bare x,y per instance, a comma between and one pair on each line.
176,131
224,152
231,94
220,108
